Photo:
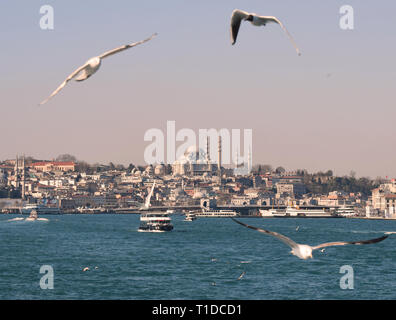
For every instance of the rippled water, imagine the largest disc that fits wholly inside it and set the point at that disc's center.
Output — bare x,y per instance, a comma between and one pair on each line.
197,260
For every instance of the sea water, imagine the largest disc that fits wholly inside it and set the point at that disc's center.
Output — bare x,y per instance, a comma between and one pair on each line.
202,259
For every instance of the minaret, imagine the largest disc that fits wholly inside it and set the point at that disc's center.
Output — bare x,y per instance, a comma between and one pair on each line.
219,157
16,173
23,177
207,150
249,161
237,157
208,155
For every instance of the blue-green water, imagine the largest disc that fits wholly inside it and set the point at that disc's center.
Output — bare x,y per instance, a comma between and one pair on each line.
197,260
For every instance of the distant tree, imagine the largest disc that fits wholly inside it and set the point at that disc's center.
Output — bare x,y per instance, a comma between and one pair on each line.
302,172
130,167
111,166
96,167
120,167
329,173
66,157
29,159
83,166
262,168
266,168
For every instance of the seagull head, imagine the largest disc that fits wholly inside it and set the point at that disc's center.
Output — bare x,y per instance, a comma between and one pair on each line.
249,17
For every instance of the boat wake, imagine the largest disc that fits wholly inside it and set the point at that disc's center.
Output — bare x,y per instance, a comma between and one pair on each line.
16,219
27,219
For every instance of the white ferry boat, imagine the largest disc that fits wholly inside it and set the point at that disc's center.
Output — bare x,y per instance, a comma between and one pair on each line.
216,213
40,209
91,210
296,212
155,222
272,213
190,216
308,213
346,211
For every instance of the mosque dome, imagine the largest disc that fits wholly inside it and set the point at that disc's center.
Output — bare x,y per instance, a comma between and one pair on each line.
193,154
193,161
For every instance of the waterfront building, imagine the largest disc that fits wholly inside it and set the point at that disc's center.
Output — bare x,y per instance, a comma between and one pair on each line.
295,189
50,166
383,197
3,178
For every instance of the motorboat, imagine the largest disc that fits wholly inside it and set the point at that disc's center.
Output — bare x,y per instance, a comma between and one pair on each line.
190,216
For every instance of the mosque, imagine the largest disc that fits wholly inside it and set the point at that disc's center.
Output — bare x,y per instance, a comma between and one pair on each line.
194,162
197,162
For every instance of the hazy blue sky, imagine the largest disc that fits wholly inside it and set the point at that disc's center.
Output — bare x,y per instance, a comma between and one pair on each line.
300,116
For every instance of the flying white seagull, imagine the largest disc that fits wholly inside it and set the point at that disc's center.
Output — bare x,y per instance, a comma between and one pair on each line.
241,276
304,251
238,16
92,65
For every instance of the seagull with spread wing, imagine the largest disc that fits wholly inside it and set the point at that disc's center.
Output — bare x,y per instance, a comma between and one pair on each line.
238,16
304,251
92,65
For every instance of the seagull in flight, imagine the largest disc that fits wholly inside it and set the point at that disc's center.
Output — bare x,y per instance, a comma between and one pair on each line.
238,16
92,65
304,251
241,276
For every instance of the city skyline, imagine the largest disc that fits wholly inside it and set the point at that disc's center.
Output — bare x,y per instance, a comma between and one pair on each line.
330,109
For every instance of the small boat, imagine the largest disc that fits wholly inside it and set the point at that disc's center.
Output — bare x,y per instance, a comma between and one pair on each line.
34,217
190,216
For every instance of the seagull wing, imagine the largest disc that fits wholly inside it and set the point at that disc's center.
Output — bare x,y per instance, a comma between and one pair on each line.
236,19
342,243
266,19
71,76
127,46
281,237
